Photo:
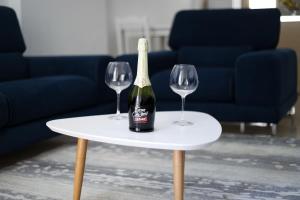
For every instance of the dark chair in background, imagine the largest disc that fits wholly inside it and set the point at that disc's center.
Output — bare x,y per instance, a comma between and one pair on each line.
34,90
242,76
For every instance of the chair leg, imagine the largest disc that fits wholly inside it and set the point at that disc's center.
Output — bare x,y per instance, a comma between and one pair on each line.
273,128
291,114
242,127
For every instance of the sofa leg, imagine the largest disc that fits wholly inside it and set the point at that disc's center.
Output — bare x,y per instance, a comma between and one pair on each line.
292,111
291,114
273,128
242,127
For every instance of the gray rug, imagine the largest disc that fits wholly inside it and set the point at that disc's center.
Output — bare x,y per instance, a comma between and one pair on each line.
236,167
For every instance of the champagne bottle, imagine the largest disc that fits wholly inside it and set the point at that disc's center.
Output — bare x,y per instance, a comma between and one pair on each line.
141,99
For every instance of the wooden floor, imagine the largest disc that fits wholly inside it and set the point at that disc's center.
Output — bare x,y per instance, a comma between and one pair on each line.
287,127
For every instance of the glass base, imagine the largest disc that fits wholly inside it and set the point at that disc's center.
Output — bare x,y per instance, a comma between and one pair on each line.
117,117
183,123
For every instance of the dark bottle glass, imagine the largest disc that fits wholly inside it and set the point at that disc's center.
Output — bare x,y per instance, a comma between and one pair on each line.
141,99
141,109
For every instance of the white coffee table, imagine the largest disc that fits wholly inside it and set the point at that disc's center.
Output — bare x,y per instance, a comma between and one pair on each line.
166,135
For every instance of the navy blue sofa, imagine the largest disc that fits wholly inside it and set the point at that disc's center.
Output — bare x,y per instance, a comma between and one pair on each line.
34,90
243,77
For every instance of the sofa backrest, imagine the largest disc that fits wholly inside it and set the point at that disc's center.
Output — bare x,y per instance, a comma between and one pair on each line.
256,28
11,39
12,46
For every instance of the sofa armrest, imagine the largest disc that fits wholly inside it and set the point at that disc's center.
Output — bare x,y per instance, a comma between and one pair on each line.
266,78
158,61
92,67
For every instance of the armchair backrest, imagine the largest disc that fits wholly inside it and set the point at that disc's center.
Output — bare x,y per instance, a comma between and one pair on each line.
11,39
257,28
12,63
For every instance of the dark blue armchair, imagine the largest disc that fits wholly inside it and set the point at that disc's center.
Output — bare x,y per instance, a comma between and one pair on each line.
34,90
242,76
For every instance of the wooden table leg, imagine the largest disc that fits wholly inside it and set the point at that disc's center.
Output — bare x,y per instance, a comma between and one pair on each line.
178,174
79,167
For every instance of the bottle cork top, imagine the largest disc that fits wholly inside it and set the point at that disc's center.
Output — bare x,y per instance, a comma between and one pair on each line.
143,44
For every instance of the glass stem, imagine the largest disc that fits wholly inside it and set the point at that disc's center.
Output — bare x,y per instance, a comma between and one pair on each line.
118,104
182,108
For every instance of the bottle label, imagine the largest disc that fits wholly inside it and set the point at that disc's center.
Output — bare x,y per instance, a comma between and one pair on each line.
140,115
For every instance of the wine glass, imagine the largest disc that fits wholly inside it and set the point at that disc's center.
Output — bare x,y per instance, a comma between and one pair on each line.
118,77
183,81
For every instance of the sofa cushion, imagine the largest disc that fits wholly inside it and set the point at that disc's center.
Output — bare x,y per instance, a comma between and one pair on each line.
211,56
215,84
3,110
42,97
12,67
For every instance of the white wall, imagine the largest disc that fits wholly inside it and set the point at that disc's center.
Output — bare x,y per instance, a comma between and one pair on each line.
72,27
216,4
3,2
158,12
65,27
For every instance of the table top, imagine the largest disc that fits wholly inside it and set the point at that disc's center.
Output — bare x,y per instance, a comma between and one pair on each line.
166,134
